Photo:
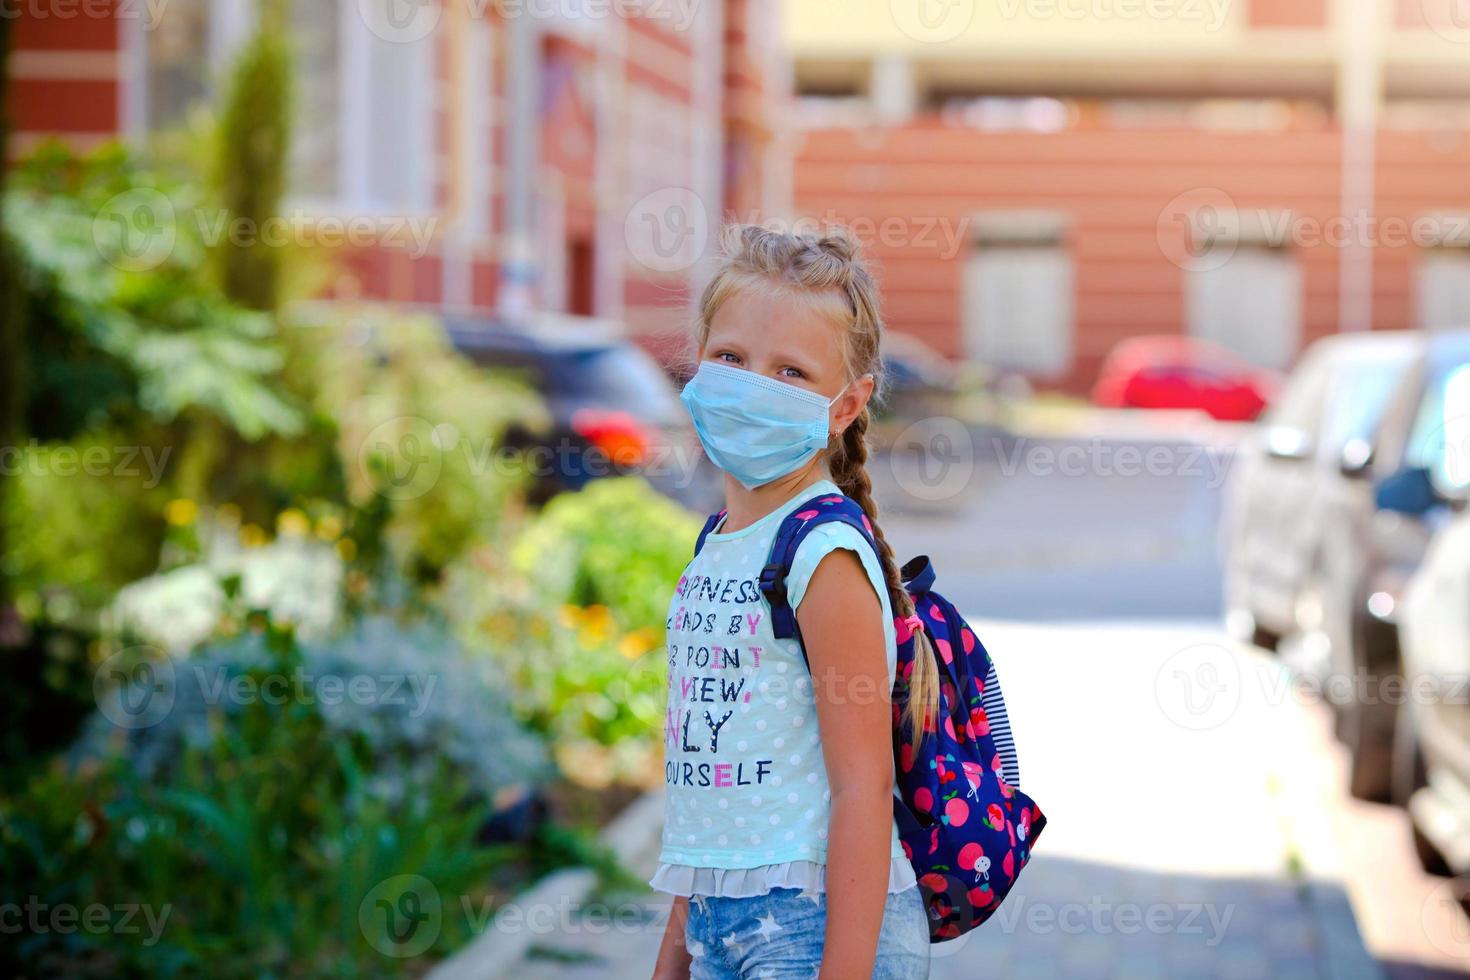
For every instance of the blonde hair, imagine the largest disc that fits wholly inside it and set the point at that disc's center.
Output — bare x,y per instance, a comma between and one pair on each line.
826,272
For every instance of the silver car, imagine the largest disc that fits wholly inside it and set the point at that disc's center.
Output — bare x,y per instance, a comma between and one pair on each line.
1434,628
1316,443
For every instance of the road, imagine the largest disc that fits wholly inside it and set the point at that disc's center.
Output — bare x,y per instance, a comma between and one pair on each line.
1198,824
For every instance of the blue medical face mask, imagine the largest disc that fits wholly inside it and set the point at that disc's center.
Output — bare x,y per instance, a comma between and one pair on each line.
753,427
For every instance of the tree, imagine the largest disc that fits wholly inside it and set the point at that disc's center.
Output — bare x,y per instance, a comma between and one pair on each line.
251,151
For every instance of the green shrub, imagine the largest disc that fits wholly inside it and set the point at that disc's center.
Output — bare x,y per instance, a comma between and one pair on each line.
268,828
76,532
419,433
617,543
577,622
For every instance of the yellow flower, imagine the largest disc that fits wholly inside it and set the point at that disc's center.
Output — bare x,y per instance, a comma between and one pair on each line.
329,528
347,549
292,523
253,536
180,512
636,644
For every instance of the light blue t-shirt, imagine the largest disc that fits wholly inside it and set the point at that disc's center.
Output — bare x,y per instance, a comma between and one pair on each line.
744,774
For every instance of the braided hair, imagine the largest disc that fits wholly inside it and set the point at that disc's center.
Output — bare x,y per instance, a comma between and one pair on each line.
827,271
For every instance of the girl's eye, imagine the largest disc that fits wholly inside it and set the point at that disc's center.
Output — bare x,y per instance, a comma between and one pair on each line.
727,357
792,372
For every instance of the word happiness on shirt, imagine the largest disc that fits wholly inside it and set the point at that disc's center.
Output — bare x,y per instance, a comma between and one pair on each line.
711,661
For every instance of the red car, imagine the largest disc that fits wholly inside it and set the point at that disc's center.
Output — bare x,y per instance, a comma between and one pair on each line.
1183,372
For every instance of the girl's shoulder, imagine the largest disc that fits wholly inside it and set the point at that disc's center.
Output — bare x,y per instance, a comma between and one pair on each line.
824,540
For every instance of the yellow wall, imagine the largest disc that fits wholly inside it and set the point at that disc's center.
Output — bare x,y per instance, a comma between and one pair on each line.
950,28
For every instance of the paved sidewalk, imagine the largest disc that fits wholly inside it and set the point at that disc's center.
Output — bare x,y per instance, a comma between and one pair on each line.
1189,837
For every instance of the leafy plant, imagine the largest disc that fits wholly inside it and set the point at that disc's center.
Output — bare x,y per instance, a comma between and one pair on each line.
117,291
265,830
419,435
617,543
577,623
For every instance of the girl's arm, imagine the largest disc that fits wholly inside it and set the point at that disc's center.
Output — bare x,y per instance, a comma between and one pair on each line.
842,627
673,956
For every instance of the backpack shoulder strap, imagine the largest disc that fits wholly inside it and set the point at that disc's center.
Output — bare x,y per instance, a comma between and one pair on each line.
709,525
826,509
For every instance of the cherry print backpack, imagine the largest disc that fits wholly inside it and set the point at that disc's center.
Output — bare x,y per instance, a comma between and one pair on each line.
962,819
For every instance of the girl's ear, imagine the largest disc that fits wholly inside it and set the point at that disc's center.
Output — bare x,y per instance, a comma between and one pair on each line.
851,403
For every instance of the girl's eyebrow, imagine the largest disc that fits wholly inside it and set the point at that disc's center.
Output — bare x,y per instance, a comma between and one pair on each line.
722,344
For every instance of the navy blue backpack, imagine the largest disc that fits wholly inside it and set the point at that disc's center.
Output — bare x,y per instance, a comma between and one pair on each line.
962,819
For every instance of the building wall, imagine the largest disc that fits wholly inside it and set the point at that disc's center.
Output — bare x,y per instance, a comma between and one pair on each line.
66,79
630,109
1118,131
1113,189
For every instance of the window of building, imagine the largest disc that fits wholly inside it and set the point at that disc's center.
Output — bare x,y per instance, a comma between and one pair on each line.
178,63
1443,287
184,54
363,138
1018,294
1249,303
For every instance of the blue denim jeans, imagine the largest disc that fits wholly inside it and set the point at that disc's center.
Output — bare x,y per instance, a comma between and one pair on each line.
779,935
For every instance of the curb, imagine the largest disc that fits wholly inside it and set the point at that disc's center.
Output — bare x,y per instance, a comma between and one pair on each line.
495,953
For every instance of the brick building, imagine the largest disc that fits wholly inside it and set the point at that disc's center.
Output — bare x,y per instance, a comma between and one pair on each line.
1042,178
523,133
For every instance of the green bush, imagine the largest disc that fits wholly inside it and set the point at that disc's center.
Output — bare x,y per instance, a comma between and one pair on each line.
617,543
126,322
577,622
76,532
266,828
419,433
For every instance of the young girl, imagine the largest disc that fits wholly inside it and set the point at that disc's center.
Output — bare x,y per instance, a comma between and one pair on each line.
779,842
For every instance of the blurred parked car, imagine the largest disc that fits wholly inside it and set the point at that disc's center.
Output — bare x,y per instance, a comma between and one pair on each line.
1371,563
1182,373
1272,526
614,410
1433,745
1317,546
